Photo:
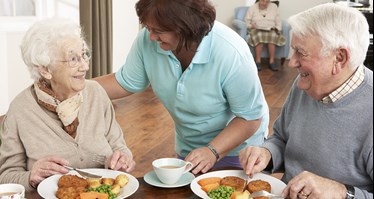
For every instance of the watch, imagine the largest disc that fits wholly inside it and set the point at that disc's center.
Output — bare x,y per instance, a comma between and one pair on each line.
213,150
350,194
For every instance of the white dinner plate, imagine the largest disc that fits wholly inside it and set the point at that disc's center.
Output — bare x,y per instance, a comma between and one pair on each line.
152,179
48,187
277,186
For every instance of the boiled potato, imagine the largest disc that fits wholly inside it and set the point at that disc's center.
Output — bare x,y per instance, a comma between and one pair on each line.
240,195
107,181
121,180
93,182
116,189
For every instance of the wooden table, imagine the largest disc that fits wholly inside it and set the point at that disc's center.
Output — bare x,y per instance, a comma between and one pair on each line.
147,191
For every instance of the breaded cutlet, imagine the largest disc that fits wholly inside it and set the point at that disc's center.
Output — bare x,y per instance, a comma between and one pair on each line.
71,181
69,192
258,185
233,181
70,186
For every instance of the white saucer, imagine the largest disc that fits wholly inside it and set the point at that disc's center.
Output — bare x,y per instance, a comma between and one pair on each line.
152,179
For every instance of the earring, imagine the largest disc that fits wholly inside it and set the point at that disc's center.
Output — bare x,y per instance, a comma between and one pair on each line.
48,76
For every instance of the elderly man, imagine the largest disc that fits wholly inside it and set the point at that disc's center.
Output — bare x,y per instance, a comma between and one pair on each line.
323,138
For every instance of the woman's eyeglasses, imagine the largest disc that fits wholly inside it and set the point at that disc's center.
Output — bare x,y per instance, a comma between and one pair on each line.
75,60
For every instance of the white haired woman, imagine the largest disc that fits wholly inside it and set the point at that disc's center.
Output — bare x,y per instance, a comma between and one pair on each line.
62,118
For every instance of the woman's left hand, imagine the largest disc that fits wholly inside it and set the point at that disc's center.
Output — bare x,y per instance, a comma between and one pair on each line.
120,161
309,185
202,159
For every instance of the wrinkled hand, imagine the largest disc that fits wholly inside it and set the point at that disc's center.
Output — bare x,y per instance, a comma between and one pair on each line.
202,159
276,30
120,161
254,159
309,185
253,26
46,167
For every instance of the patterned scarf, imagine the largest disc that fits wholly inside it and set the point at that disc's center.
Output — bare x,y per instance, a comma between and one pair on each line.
66,110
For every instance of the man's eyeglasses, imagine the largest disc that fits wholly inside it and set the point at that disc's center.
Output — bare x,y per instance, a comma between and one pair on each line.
75,60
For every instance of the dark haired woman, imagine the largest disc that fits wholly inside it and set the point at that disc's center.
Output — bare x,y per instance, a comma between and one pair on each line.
205,76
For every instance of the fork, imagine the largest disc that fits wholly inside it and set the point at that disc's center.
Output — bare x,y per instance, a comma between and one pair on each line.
83,173
99,159
265,193
246,183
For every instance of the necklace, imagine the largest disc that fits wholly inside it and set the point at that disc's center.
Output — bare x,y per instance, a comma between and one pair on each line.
263,12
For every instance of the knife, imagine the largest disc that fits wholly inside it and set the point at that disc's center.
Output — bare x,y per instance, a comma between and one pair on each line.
83,173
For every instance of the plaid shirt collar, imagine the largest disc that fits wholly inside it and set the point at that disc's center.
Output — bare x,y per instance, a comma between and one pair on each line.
351,84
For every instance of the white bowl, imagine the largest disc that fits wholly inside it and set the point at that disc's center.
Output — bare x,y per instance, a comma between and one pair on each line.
12,191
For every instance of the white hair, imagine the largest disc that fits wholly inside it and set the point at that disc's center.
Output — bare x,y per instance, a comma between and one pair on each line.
42,40
337,26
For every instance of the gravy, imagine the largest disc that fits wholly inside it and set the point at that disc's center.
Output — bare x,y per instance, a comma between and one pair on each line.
7,193
169,167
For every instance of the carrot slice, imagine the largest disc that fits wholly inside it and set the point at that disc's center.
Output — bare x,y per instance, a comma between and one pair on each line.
209,187
210,180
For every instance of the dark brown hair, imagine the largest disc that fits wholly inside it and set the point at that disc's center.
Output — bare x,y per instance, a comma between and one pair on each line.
190,19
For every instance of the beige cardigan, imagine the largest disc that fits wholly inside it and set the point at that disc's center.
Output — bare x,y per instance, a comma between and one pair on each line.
271,19
31,132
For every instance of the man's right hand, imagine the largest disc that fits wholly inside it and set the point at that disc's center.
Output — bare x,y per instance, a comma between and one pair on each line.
254,159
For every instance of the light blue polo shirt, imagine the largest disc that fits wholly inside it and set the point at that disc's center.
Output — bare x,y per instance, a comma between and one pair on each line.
220,83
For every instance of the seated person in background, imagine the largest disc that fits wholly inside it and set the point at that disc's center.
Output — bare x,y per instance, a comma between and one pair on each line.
62,119
264,26
323,138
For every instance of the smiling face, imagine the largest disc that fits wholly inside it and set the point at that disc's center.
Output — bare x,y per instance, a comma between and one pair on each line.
168,40
315,71
67,79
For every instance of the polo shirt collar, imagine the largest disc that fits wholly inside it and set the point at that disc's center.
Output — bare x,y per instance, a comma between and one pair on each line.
202,55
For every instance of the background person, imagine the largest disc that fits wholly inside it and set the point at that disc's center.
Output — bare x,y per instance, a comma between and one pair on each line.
205,76
323,138
264,26
52,122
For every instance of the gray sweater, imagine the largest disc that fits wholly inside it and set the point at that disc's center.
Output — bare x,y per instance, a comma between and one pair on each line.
334,140
31,132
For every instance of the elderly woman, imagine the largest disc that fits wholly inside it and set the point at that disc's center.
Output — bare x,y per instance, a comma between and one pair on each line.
62,119
264,25
323,138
